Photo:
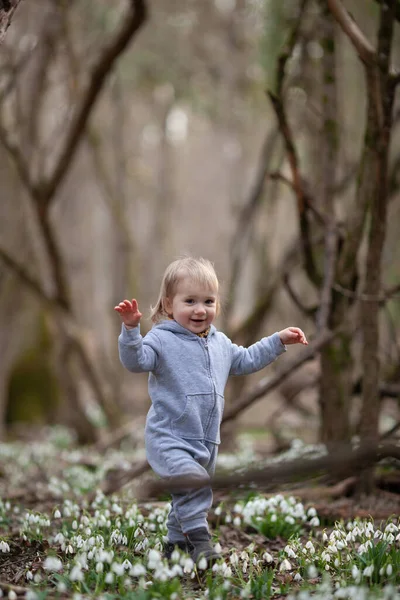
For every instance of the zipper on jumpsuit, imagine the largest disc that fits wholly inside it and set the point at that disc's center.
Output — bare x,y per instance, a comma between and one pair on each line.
205,345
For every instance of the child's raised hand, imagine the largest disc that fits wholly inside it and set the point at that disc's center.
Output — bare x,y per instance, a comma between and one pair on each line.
292,335
129,312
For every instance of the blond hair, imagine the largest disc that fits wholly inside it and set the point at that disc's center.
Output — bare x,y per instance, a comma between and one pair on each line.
199,270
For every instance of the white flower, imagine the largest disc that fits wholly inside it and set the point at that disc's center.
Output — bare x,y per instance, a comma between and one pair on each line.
234,559
109,577
99,567
311,512
297,577
368,570
12,595
29,575
285,565
290,552
188,565
52,563
312,572
314,522
118,569
202,565
57,514
355,573
267,557
389,569
218,511
4,547
137,570
76,573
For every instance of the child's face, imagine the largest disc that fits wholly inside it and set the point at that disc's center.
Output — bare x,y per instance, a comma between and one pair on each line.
192,306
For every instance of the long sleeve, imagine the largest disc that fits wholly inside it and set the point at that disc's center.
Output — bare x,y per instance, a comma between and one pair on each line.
136,353
257,356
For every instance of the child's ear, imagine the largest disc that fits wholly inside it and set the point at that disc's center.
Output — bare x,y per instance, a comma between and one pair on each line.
167,305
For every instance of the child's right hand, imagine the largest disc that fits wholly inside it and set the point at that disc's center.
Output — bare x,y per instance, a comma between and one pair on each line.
129,312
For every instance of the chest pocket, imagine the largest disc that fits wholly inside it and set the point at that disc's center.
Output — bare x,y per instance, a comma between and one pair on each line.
201,418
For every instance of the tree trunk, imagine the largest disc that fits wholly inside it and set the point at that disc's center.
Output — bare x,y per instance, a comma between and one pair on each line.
378,138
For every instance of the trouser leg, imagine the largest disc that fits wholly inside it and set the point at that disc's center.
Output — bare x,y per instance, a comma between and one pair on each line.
185,459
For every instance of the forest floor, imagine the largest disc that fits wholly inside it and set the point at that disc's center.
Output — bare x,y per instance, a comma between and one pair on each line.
38,480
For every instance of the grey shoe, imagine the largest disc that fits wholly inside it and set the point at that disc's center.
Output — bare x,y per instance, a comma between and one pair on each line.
200,546
169,547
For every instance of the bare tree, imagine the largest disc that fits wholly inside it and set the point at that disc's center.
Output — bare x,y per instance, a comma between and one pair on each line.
42,191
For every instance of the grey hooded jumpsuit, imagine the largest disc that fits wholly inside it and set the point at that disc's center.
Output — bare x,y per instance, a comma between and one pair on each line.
187,378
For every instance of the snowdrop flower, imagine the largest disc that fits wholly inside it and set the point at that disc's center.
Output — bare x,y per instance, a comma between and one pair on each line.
314,522
12,595
118,569
337,563
202,566
153,559
226,571
324,537
267,557
218,511
237,521
218,548
76,573
29,575
52,563
137,570
311,512
234,559
312,572
188,565
99,567
290,552
297,577
389,569
57,514
109,577
74,524
31,595
4,547
285,565
310,547
355,573
368,570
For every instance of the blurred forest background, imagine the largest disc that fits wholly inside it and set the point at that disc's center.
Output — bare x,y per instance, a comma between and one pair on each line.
261,134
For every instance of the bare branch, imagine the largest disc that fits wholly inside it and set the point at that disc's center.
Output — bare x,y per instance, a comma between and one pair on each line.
362,45
267,384
131,23
17,157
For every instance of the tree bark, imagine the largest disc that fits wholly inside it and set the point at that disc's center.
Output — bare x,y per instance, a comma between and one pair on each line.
378,139
7,10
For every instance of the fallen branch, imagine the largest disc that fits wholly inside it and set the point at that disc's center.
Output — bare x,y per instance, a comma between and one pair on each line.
342,462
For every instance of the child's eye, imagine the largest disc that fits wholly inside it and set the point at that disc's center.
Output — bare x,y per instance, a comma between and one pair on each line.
210,301
189,301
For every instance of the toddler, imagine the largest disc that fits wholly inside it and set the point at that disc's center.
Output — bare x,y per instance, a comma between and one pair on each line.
189,362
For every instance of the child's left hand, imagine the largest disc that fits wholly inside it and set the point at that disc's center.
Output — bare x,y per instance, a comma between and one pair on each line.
292,335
